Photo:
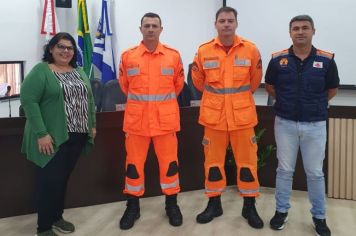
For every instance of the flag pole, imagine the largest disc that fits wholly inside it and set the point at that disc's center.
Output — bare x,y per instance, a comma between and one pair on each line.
91,69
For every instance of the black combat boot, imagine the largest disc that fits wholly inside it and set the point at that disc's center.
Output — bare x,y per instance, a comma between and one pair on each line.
131,214
213,210
249,212
172,210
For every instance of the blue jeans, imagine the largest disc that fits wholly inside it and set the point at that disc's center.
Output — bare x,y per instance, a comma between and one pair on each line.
311,138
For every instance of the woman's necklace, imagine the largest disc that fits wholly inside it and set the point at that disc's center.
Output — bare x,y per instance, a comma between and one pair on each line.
60,69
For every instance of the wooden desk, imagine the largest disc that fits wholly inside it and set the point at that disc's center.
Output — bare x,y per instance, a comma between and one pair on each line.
99,177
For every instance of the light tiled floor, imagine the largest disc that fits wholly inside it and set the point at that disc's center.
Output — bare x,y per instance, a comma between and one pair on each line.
102,220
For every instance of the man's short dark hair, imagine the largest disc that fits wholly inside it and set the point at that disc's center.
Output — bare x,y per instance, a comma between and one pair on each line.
225,9
151,15
301,18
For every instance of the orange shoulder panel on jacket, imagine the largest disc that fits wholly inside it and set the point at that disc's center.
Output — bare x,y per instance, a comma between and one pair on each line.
129,49
246,41
170,48
206,43
324,54
280,53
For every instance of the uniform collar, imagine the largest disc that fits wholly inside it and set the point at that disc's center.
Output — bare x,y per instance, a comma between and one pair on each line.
312,52
142,49
237,41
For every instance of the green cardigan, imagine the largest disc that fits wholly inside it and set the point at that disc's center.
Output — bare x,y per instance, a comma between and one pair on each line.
42,99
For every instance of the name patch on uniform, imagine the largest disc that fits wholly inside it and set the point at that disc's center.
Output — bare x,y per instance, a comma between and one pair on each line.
318,64
211,64
242,62
167,71
133,71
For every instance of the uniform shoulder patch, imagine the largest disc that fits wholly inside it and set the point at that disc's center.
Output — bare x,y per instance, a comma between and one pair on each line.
280,53
247,41
170,48
129,50
206,43
324,54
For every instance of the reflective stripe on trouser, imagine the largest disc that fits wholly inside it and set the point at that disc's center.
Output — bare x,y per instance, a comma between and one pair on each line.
166,151
175,184
245,151
136,189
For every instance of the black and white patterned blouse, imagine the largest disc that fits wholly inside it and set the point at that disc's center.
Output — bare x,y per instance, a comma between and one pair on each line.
75,101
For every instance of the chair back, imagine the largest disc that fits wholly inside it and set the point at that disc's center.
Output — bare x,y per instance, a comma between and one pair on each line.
112,95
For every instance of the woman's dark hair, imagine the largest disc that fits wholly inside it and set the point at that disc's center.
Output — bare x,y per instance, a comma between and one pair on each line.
47,56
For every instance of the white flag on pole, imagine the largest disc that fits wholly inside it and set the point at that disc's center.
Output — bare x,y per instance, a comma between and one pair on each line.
49,25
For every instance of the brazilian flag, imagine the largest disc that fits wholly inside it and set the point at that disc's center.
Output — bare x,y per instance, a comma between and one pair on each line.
85,47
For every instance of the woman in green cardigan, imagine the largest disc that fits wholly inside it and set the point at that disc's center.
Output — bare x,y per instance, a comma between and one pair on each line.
60,125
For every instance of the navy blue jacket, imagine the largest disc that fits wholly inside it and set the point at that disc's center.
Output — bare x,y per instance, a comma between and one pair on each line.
302,86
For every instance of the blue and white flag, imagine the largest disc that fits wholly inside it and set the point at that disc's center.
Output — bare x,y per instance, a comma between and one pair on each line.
103,56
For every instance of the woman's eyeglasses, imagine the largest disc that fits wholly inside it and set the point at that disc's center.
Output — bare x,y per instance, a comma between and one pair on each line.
63,48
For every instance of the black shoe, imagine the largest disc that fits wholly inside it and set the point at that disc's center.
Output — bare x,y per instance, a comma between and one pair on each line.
213,210
279,220
172,211
249,212
131,214
321,228
49,232
63,226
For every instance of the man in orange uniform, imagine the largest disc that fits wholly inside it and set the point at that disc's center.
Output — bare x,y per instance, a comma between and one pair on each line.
151,75
228,70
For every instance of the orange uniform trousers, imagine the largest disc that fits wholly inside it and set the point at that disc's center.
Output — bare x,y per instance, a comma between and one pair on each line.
166,147
244,147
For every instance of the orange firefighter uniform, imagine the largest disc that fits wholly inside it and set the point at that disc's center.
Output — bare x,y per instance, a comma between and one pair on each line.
228,112
152,82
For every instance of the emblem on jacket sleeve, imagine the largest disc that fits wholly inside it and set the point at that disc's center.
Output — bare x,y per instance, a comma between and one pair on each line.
283,62
195,66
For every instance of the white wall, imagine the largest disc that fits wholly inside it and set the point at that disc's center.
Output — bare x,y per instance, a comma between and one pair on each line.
20,27
266,22
186,23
